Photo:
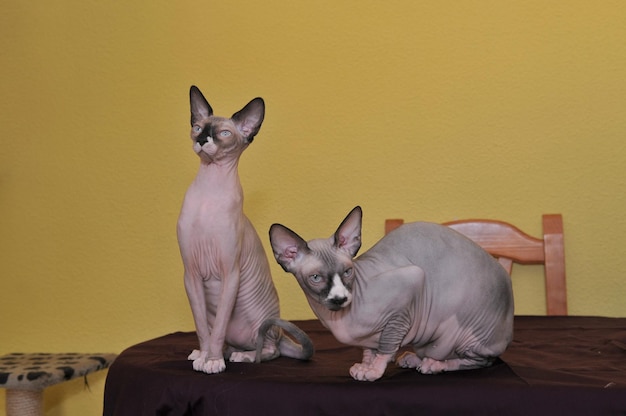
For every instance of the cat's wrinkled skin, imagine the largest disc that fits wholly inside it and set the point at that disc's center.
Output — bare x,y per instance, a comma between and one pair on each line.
423,285
227,276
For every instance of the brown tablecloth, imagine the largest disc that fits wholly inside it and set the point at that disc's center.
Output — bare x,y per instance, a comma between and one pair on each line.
554,366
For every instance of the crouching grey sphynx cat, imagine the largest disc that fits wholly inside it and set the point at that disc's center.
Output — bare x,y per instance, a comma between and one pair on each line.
423,285
227,275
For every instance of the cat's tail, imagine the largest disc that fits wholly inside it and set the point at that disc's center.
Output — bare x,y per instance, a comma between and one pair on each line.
302,348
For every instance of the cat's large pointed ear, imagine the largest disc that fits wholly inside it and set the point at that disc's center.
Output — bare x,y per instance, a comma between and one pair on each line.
248,120
200,108
348,235
288,247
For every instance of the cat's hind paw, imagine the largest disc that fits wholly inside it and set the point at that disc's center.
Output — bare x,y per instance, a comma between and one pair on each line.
409,360
242,356
195,354
431,366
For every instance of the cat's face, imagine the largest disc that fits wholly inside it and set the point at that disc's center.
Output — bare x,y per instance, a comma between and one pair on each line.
324,268
217,138
326,274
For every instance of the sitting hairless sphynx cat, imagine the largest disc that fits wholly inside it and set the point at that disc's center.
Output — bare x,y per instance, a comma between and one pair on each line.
423,285
227,276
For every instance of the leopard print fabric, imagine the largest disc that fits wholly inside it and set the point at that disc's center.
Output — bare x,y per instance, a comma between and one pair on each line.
35,371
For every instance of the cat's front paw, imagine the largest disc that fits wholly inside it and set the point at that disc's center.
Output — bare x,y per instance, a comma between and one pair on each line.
213,366
372,368
366,372
202,363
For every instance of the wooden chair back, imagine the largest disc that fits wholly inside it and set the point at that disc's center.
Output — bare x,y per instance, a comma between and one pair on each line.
511,245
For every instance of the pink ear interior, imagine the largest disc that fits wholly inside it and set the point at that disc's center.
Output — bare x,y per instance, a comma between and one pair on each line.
348,235
290,252
249,119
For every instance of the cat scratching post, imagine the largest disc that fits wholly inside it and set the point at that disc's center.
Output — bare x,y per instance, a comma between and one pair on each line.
25,376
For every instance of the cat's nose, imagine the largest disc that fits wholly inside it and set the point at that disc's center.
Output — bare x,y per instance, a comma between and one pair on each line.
201,141
339,300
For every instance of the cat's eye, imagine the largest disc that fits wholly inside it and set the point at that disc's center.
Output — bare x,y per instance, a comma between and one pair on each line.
225,133
197,129
348,272
315,278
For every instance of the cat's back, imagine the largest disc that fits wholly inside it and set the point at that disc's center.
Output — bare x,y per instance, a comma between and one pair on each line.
425,237
428,245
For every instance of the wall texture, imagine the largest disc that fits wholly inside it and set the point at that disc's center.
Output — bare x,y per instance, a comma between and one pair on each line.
429,110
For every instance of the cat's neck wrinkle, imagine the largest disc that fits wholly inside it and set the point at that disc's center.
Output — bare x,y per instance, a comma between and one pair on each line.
220,168
219,175
225,163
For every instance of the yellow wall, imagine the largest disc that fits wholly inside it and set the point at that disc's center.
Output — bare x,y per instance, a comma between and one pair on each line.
430,110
